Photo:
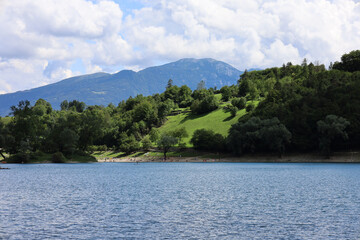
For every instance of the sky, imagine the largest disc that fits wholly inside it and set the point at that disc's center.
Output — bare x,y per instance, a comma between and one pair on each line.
45,41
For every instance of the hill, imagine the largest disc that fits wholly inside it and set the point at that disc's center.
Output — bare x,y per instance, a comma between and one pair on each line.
104,88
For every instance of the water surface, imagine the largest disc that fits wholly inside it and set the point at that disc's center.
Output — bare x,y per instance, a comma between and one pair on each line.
180,201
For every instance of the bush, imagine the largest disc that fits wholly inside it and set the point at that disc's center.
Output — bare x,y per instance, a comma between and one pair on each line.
146,143
204,139
129,144
233,110
19,158
240,103
101,148
250,107
58,157
206,105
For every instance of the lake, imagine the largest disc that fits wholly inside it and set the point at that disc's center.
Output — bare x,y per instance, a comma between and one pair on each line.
180,201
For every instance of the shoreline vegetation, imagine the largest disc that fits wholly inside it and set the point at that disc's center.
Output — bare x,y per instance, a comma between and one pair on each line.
338,157
193,156
293,113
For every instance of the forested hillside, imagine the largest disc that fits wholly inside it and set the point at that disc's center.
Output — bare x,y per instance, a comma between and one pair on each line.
295,108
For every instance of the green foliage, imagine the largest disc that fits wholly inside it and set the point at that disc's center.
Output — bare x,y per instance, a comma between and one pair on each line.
73,106
330,128
300,96
58,157
201,85
228,92
154,135
165,142
250,107
204,139
219,121
180,134
68,141
260,135
233,110
240,103
169,84
146,143
128,144
349,62
207,104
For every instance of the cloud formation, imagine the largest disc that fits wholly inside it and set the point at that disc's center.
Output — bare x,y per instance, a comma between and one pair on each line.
43,40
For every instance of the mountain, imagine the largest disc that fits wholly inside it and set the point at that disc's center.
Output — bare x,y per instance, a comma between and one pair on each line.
104,88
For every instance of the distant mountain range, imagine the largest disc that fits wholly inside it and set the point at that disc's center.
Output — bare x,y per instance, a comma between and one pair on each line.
104,88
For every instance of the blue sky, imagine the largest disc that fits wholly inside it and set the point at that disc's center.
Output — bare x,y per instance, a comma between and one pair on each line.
45,41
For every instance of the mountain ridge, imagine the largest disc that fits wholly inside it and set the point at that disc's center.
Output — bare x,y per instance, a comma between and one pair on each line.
105,88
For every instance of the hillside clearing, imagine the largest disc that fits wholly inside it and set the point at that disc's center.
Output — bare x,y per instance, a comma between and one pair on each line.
219,121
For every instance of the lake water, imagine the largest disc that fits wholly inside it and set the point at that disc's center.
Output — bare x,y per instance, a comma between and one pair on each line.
180,201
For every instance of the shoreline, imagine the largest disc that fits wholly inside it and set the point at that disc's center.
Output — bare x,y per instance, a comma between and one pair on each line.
339,157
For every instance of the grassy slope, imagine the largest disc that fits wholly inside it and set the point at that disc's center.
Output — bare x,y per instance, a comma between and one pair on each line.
219,121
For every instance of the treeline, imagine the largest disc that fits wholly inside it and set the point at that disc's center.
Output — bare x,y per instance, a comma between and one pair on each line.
319,107
301,107
78,128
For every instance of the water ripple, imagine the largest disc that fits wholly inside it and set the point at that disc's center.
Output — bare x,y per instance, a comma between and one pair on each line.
180,201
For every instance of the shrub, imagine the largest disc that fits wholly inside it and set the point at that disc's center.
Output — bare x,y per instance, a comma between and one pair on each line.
240,103
146,143
233,110
58,157
204,139
250,107
206,105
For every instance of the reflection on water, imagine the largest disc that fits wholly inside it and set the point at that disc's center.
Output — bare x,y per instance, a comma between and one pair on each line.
180,201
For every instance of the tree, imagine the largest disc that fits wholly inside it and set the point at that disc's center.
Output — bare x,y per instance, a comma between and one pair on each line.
154,135
240,103
243,87
180,134
94,122
146,143
330,128
257,134
128,144
250,107
207,104
77,106
349,62
275,135
184,97
3,136
22,127
164,108
233,110
42,107
226,93
68,141
165,142
146,112
64,105
201,85
206,139
169,84
304,63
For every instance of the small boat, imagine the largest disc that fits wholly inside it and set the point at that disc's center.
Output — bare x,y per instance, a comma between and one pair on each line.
1,168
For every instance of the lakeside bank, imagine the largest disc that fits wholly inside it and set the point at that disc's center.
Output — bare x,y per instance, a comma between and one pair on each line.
338,157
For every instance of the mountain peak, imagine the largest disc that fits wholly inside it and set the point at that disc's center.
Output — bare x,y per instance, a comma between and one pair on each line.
120,86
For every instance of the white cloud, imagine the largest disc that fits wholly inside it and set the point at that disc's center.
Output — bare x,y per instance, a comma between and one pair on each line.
40,40
37,34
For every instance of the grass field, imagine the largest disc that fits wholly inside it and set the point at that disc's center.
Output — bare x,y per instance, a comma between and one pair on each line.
219,121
